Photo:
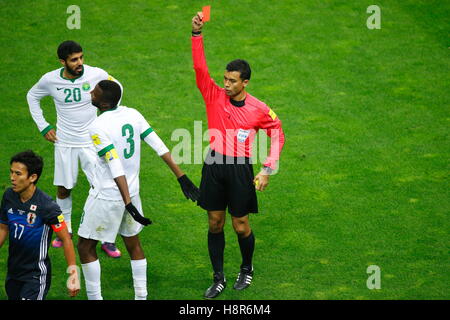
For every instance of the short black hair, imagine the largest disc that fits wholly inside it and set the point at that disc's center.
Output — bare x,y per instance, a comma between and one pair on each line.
242,66
111,92
32,161
67,48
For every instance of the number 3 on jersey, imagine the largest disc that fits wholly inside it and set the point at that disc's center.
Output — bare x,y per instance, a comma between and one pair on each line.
128,132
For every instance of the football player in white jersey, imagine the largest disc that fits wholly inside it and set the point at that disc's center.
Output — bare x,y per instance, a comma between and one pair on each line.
117,133
70,88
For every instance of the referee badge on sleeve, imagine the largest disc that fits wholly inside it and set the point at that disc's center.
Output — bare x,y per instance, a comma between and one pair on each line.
272,114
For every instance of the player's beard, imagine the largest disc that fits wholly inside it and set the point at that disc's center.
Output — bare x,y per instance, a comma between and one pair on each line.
73,71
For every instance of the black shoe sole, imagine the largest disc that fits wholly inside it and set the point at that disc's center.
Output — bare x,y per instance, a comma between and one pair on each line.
239,289
210,298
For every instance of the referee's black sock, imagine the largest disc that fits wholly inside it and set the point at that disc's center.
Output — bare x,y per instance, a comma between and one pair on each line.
216,246
247,246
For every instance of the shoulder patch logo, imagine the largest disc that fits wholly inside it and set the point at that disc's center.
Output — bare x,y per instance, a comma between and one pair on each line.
272,114
96,139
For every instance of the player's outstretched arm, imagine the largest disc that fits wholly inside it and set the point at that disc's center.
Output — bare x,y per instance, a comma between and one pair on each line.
3,233
190,191
73,284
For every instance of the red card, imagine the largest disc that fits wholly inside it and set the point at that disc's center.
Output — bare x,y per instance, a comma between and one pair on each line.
206,13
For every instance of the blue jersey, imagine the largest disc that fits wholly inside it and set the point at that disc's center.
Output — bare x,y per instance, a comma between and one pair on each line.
30,234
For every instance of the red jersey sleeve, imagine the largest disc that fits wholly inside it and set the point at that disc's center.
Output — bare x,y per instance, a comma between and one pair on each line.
271,124
208,88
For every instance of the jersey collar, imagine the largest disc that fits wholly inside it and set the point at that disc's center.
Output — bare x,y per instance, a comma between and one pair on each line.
112,109
238,103
72,80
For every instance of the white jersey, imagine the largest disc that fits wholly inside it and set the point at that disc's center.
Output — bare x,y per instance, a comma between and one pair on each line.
117,135
72,98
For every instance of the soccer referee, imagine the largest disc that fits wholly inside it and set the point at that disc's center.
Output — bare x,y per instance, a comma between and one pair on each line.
234,118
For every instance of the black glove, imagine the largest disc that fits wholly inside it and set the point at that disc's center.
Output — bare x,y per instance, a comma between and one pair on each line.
189,189
136,215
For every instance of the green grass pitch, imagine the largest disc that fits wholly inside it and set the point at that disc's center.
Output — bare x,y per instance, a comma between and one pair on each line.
364,175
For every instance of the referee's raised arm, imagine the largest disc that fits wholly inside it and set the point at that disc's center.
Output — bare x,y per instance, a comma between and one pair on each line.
208,88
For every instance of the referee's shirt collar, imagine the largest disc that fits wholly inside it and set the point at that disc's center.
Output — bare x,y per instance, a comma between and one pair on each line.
237,103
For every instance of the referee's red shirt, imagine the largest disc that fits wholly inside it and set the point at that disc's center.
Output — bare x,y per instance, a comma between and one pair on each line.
232,129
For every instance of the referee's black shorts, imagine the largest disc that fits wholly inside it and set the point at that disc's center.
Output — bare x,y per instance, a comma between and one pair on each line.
228,182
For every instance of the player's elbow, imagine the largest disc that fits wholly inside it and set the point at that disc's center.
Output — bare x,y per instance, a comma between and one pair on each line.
31,99
29,96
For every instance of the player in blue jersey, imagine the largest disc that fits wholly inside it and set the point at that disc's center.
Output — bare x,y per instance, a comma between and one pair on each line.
28,216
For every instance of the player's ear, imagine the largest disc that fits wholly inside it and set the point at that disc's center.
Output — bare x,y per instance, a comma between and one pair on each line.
63,62
33,178
245,82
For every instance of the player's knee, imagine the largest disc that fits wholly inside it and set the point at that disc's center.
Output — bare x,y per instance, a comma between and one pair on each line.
242,228
216,221
134,247
85,249
63,192
242,232
216,225
81,247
